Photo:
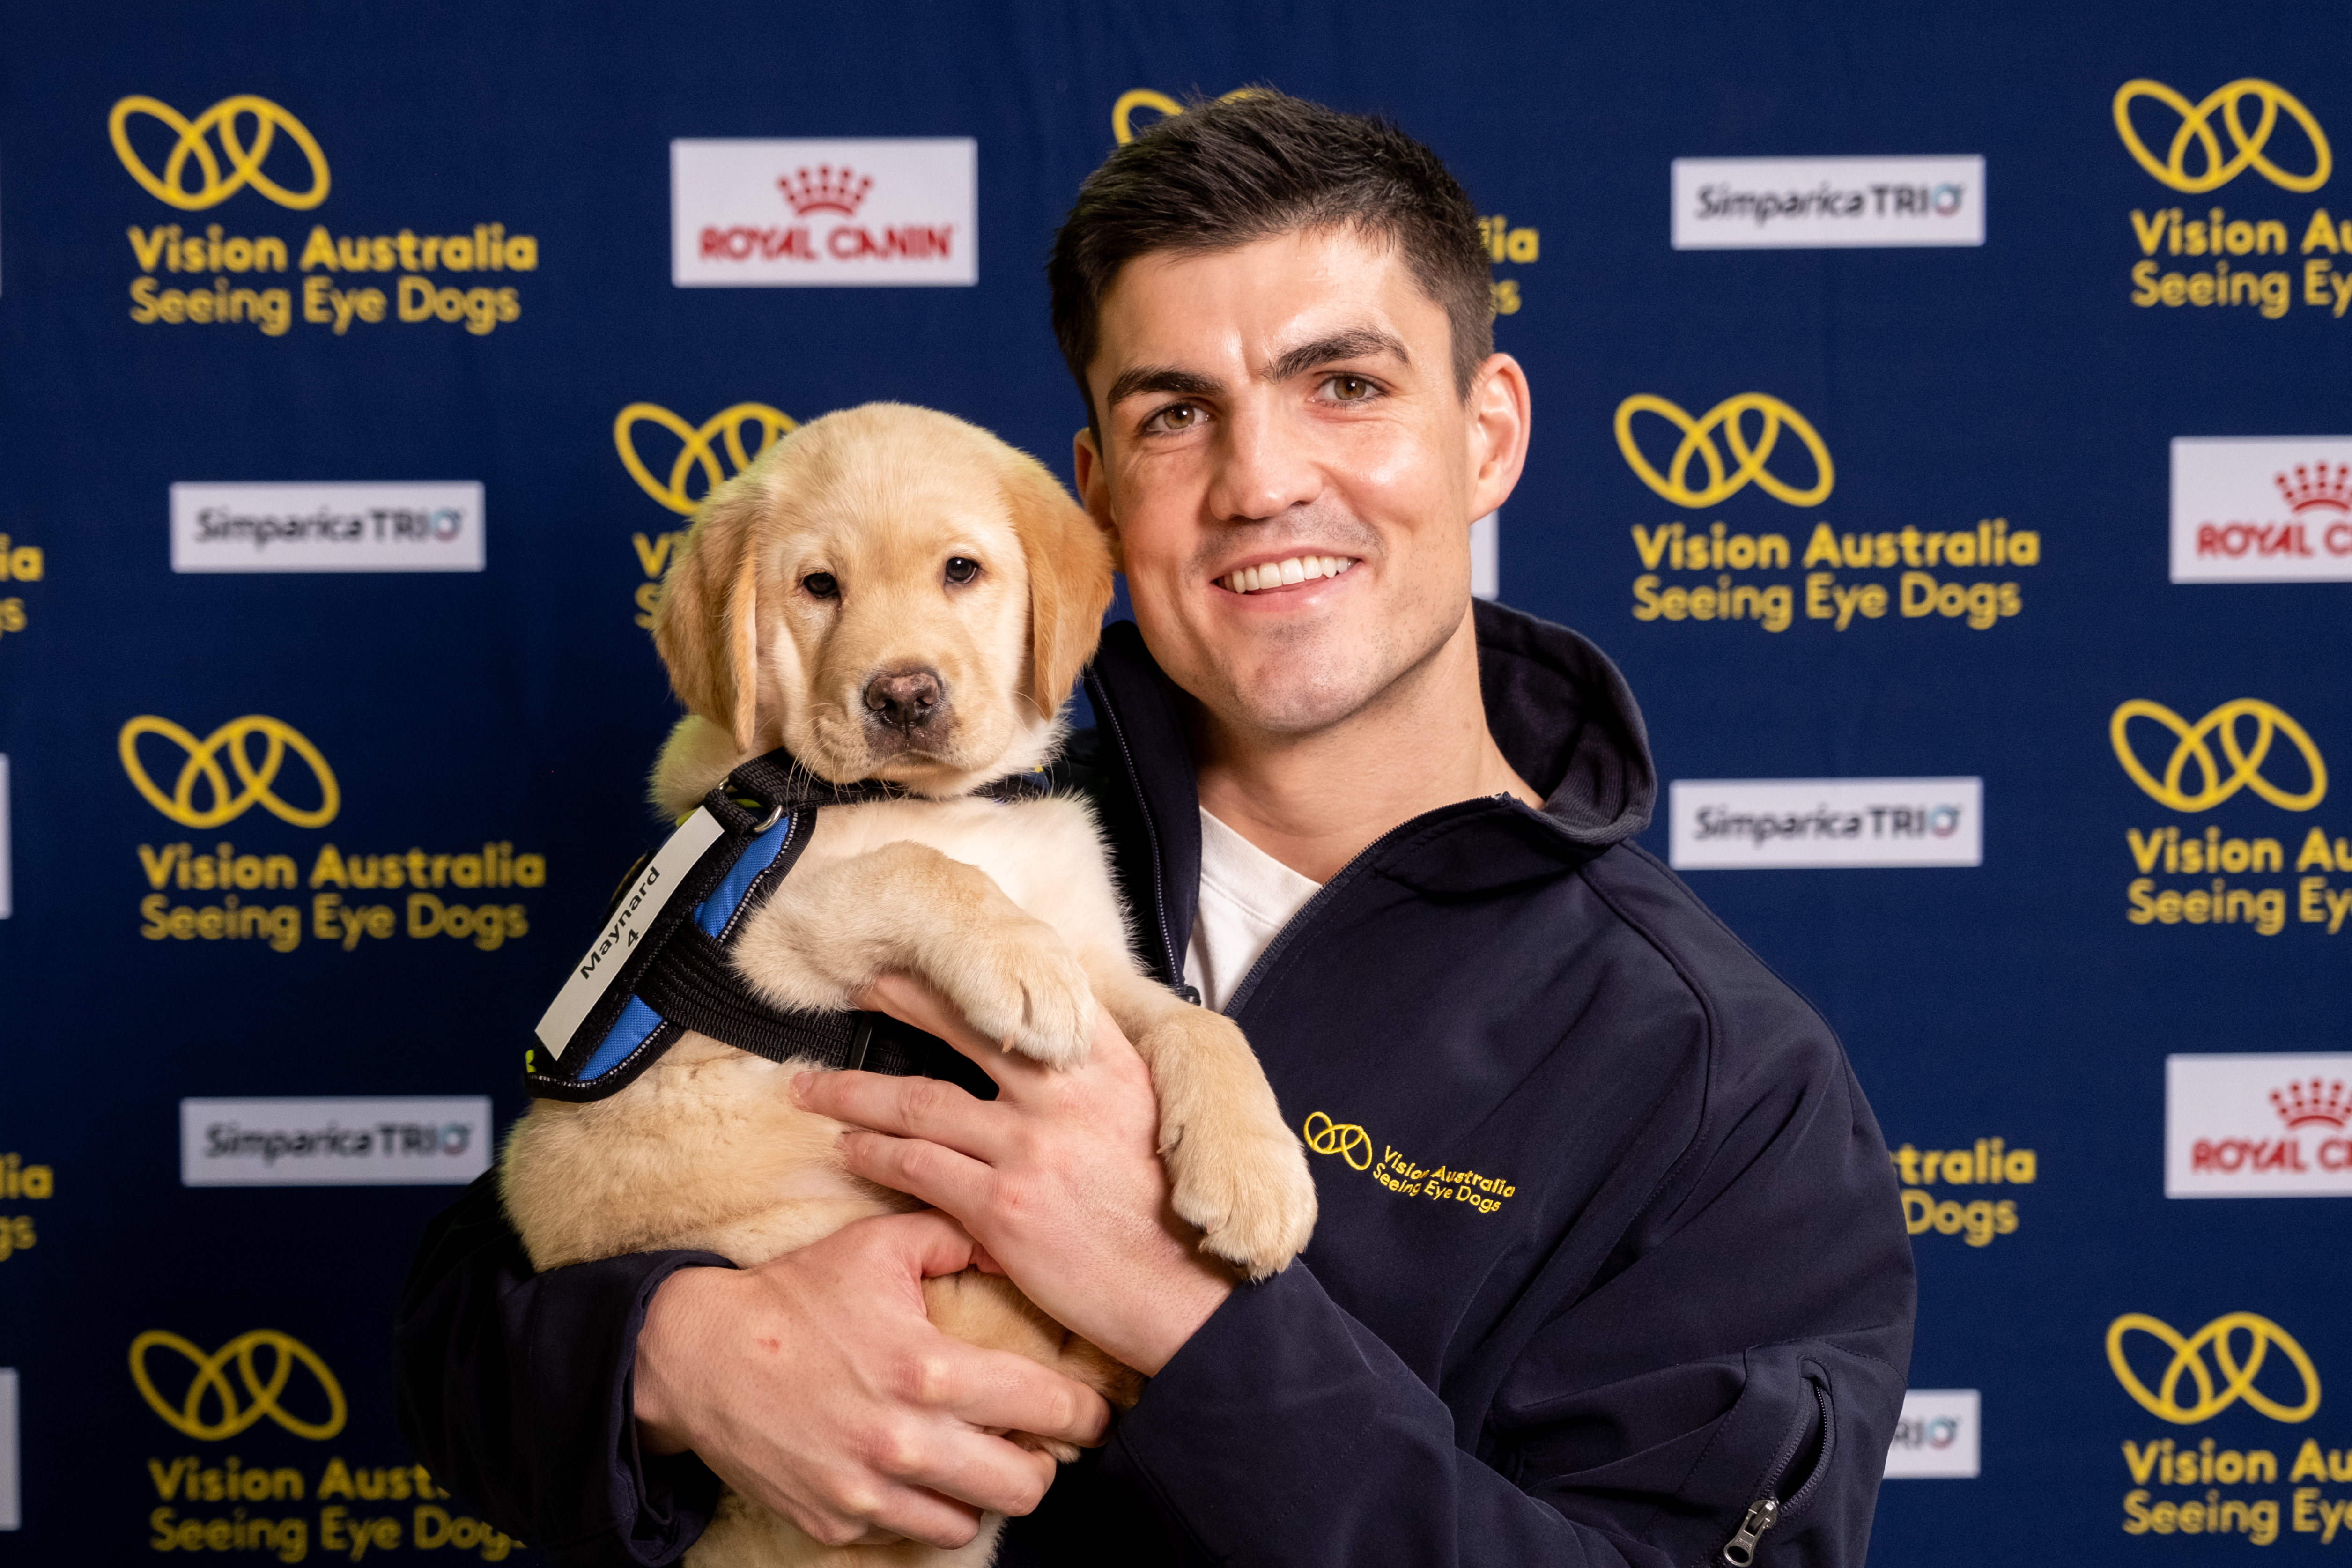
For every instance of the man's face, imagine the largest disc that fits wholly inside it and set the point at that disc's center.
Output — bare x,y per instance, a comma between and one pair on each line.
1269,415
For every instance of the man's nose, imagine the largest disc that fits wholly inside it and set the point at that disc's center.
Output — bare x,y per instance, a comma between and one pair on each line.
905,699
1265,467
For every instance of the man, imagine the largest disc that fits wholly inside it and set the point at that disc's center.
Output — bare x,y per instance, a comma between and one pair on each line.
1609,1268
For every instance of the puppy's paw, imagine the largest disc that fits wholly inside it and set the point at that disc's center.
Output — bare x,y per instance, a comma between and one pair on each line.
1064,1452
1022,987
1234,1168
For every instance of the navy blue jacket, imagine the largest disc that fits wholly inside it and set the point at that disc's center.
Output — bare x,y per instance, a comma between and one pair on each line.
1609,1249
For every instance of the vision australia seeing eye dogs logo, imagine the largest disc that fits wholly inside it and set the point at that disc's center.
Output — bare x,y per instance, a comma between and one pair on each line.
1749,456
695,449
697,452
2239,1371
262,1392
256,777
2213,784
2247,146
244,158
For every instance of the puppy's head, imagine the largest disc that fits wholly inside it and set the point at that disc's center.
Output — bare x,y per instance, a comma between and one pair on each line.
889,592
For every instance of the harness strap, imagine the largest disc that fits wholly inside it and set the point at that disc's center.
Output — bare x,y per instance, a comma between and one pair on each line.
679,974
693,983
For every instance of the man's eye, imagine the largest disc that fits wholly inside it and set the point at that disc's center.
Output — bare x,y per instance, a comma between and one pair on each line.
821,585
1350,388
963,568
1175,417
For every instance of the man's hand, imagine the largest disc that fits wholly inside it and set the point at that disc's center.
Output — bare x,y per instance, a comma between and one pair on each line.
816,1384
1058,1177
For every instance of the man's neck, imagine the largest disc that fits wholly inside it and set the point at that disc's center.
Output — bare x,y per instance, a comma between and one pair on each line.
1314,800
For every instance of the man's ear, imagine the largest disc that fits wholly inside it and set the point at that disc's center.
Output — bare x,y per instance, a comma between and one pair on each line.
1069,564
706,623
1093,489
1502,413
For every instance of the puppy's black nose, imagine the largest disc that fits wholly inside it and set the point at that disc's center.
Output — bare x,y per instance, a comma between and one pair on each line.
905,699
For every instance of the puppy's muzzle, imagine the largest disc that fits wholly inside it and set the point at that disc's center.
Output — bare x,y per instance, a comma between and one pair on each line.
907,704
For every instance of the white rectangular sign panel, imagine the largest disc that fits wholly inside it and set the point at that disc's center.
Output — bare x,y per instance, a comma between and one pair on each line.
1937,1436
2261,508
12,1511
292,526
2244,1126
878,212
1741,824
1816,203
393,1142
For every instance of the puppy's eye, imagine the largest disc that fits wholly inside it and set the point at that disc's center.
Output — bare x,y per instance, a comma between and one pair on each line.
963,568
821,585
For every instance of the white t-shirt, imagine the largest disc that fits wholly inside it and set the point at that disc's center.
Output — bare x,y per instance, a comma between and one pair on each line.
1247,897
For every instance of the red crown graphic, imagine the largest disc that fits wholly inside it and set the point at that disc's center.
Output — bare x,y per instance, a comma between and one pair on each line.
825,189
2313,486
2314,1104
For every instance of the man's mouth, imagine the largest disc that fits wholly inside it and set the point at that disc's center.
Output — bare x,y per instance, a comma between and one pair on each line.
1285,573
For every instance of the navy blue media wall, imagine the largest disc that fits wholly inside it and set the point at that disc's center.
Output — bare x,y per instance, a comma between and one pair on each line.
1941,415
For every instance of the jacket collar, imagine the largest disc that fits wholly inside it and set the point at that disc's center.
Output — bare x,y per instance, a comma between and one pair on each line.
1558,707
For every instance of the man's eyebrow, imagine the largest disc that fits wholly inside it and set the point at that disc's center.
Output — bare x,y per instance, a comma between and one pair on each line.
1160,378
1357,342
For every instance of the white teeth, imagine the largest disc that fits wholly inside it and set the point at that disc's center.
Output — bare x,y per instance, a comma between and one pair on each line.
1279,573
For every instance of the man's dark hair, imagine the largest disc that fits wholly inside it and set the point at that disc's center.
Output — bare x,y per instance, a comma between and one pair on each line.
1261,163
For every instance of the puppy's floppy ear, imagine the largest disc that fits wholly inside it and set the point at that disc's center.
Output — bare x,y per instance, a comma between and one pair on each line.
1069,580
706,624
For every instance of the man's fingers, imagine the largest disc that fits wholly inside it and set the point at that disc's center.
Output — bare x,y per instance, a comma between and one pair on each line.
926,1108
871,1516
912,1000
1009,1392
931,1242
939,1176
985,1472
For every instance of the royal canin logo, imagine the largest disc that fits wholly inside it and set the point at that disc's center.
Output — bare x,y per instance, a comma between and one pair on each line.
2316,1104
2312,488
825,189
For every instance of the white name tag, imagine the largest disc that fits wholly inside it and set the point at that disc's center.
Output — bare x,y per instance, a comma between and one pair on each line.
634,917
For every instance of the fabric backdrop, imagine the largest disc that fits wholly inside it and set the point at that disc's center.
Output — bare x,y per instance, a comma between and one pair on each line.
1971,523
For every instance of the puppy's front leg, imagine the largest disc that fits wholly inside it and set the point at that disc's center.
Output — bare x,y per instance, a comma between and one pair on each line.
832,930
1235,1168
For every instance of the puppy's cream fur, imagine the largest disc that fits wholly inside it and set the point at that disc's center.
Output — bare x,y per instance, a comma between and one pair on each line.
824,566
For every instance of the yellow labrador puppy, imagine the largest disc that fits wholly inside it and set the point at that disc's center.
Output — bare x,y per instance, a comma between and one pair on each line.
890,594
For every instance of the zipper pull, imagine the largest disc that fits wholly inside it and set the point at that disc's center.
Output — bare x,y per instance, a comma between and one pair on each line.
1762,1515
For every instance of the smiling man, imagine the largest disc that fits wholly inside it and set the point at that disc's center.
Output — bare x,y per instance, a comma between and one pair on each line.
1609,1268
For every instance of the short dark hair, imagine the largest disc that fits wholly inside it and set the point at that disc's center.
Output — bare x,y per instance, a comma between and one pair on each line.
1260,164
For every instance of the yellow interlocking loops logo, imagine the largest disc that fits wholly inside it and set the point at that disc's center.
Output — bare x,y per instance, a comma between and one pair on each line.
255,777
244,158
2188,1360
696,450
210,1386
1122,113
2246,145
2213,785
1750,455
1344,1139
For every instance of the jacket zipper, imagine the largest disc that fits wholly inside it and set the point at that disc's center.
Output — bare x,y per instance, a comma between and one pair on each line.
1768,1510
1762,1515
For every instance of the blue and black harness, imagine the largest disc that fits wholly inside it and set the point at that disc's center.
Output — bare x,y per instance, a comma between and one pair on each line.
681,974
